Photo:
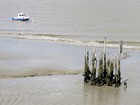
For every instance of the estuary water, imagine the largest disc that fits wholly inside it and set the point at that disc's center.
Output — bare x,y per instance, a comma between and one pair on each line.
93,19
49,40
53,43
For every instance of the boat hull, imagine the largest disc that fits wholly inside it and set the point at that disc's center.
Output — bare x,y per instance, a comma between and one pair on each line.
20,19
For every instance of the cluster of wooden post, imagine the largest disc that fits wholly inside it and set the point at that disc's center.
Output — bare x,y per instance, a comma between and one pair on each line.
104,71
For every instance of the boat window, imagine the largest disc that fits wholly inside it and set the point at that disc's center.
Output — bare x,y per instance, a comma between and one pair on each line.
21,14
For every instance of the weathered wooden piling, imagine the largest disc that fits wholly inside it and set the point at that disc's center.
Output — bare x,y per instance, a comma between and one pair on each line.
87,72
94,63
116,71
119,72
104,60
110,74
101,78
108,71
100,70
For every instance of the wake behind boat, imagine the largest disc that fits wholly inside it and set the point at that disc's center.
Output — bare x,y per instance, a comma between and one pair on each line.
21,17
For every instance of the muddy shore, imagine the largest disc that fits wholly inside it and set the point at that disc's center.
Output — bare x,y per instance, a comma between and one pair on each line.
63,84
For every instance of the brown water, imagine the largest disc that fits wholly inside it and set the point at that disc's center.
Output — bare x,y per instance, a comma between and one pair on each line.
72,25
117,19
64,89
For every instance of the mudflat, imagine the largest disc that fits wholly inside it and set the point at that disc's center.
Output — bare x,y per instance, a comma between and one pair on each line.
71,90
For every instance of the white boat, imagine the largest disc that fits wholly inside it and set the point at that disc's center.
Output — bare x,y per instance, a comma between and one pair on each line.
21,17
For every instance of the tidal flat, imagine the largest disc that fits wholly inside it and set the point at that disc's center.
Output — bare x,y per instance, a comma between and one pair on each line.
53,74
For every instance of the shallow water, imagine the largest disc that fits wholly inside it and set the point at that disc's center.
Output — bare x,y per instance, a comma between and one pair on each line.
71,90
62,90
83,20
36,57
20,57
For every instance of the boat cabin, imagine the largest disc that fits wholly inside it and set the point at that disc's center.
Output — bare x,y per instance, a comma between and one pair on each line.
21,14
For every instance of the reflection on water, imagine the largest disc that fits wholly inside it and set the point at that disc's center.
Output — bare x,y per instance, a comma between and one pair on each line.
64,90
95,95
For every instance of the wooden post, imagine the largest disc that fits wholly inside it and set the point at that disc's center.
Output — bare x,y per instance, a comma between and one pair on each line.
100,71
118,71
119,68
85,67
104,59
87,72
93,67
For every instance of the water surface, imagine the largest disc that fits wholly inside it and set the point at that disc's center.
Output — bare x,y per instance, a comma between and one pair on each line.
117,19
